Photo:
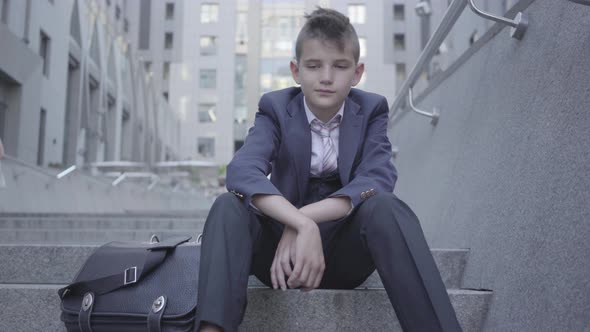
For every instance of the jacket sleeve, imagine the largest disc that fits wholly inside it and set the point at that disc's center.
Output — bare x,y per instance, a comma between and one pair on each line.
375,172
247,172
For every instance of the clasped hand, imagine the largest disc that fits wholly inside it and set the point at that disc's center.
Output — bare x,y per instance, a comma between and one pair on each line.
303,248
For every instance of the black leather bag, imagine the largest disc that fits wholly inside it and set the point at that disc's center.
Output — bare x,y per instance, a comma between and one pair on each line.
135,286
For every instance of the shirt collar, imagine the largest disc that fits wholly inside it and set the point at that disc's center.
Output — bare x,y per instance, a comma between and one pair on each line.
311,116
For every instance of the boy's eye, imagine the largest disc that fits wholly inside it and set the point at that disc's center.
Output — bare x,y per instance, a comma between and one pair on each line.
313,66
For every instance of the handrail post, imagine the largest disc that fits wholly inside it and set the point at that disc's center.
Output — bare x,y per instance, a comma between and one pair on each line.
519,24
435,115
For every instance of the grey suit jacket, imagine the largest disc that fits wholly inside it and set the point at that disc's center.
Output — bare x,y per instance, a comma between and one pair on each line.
279,144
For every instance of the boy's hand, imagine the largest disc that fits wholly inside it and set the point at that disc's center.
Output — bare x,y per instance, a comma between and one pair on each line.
309,258
285,254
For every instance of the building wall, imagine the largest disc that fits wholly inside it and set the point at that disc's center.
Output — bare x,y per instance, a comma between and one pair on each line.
93,33
187,94
505,172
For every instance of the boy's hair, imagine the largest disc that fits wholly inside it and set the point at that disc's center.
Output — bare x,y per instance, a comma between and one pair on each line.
328,25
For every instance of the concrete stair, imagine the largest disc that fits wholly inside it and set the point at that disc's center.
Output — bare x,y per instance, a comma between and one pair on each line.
96,228
34,267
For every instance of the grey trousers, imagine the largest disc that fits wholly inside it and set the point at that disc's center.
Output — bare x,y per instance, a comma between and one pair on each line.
382,233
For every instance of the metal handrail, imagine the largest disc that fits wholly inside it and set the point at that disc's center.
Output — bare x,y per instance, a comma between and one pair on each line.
451,16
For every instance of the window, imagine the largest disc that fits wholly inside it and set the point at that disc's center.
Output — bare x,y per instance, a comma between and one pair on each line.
117,12
363,46
169,11
44,49
207,113
357,14
209,12
399,12
168,40
165,95
126,25
5,9
41,138
206,146
208,79
148,66
400,72
208,45
166,70
399,42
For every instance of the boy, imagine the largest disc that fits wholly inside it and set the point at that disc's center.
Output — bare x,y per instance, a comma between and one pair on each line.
327,217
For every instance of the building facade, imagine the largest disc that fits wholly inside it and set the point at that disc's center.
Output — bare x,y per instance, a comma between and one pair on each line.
72,90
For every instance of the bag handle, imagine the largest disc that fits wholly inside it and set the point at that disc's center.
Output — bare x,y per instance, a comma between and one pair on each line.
131,275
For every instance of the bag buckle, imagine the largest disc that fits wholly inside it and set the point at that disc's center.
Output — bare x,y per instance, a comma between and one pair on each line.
130,276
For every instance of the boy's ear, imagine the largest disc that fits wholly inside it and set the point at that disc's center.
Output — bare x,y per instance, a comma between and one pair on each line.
294,70
358,73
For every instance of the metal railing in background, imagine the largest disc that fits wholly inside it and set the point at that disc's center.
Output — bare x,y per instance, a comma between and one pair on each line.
120,170
454,11
123,170
65,172
34,168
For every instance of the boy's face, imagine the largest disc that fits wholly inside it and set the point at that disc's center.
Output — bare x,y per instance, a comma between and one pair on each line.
326,74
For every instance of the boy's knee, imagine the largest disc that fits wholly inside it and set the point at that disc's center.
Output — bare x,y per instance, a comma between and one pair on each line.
379,201
383,209
226,209
226,200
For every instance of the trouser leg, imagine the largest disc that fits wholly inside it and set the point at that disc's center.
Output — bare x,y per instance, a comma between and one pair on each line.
226,255
385,232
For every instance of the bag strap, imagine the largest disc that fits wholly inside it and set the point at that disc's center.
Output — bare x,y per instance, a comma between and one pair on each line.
131,275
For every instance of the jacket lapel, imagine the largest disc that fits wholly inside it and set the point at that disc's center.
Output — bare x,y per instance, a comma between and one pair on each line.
350,133
299,142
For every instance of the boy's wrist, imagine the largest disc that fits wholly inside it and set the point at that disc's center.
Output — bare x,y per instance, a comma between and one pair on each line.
303,223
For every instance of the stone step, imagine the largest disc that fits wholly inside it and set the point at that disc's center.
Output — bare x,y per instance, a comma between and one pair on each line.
36,308
58,264
102,223
143,214
76,236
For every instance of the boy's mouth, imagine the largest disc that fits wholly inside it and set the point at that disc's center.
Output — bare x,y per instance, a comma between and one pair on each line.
322,91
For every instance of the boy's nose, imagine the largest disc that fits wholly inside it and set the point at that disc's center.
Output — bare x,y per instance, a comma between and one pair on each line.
326,77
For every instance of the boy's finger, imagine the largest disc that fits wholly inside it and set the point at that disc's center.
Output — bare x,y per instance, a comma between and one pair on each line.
305,273
272,273
286,262
295,275
278,270
318,279
286,267
280,275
